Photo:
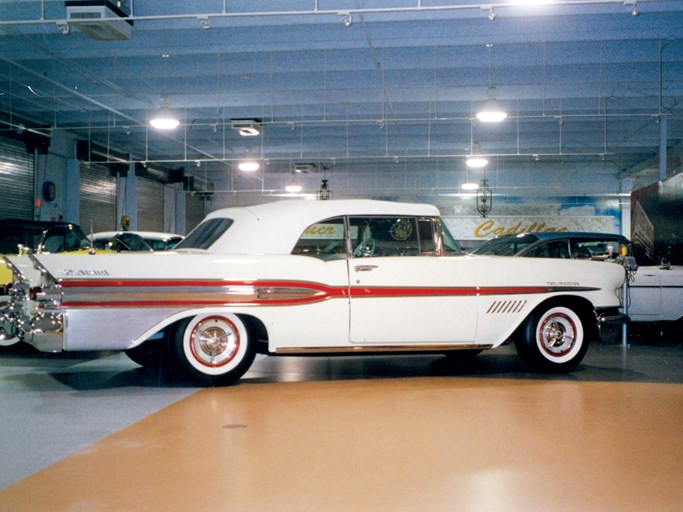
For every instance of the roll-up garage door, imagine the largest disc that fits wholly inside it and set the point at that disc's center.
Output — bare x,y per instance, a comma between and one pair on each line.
98,199
194,211
16,180
150,196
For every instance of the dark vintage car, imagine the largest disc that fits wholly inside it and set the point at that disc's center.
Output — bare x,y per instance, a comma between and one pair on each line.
575,245
655,290
17,235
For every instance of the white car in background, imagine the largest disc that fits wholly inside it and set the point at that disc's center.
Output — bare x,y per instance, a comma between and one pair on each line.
655,292
313,277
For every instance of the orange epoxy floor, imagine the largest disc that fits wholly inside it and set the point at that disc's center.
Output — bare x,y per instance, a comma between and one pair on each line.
425,443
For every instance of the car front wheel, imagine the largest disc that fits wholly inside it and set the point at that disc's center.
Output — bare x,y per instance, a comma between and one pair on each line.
553,339
214,349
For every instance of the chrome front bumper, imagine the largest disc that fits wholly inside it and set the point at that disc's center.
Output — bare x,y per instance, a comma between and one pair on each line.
610,316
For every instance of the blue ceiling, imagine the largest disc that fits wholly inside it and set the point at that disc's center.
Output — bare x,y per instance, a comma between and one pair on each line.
585,83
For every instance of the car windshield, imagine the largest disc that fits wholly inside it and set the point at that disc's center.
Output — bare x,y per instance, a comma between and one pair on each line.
205,234
129,242
64,239
505,246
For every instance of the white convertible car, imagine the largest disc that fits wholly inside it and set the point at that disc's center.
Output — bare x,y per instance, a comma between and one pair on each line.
312,277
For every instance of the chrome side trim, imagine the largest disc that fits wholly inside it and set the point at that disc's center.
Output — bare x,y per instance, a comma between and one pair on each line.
368,349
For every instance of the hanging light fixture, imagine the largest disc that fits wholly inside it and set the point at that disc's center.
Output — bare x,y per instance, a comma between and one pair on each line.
484,198
469,185
491,110
248,166
476,161
293,187
324,193
164,118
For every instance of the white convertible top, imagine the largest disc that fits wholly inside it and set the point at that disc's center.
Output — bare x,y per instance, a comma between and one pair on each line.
274,228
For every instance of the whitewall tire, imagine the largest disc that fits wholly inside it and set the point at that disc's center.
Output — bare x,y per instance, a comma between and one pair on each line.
553,339
214,349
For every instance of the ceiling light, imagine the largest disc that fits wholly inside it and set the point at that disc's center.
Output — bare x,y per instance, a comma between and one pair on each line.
469,186
476,162
491,110
347,19
248,166
164,118
246,127
204,20
293,186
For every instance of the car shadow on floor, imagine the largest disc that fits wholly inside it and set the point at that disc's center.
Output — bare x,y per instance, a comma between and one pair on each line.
643,362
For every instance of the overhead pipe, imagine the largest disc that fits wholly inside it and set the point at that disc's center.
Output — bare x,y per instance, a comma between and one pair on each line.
316,11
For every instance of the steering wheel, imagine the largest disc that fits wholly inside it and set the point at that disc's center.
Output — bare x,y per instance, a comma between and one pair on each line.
365,248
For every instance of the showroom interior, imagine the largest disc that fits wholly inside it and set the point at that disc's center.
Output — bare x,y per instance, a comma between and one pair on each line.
513,116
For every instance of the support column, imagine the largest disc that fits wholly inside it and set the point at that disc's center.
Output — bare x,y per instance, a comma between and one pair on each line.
72,191
663,122
174,208
127,198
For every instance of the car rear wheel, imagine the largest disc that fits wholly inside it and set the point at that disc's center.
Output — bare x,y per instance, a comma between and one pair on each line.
214,350
553,339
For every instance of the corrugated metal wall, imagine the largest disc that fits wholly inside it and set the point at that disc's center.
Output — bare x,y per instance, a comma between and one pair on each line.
150,196
16,180
194,211
98,199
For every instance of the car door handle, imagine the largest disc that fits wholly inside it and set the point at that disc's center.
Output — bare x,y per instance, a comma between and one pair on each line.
364,268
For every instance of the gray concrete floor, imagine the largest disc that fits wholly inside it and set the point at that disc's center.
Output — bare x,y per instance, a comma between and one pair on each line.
54,406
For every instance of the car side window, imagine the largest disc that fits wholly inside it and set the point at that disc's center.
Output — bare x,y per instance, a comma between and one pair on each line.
385,236
551,249
598,249
425,229
325,240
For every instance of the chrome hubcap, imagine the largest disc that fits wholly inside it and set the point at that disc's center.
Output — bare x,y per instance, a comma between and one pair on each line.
558,334
214,341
